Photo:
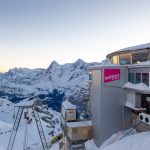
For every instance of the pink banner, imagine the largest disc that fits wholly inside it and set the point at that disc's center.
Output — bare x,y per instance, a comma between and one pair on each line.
111,75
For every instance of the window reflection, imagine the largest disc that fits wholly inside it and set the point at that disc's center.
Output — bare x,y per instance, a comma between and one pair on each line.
125,59
115,59
131,77
136,78
145,78
140,57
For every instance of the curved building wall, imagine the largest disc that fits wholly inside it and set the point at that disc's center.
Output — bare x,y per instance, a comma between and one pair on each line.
130,57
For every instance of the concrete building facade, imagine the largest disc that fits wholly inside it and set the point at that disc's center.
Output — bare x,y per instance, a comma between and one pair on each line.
120,92
107,99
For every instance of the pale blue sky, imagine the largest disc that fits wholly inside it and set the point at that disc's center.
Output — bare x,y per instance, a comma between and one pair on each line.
35,32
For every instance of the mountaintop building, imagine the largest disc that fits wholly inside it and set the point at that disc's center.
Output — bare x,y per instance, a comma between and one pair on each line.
120,93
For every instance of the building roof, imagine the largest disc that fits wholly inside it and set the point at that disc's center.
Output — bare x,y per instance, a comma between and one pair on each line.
67,105
132,48
79,124
137,47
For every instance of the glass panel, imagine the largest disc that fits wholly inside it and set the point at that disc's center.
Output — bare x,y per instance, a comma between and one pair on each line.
125,59
90,76
138,77
115,59
145,78
140,57
131,77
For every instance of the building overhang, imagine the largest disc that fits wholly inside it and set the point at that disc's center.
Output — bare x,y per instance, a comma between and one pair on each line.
138,88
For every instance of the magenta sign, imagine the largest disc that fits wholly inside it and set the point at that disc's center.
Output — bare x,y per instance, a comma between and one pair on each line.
111,75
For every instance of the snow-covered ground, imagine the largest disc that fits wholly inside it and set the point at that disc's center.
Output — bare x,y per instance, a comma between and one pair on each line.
55,147
50,119
137,141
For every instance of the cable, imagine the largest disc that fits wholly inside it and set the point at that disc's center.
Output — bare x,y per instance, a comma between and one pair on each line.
134,127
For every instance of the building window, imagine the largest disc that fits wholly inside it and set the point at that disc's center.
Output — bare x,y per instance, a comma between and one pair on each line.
145,78
115,59
138,78
125,59
90,76
131,78
140,57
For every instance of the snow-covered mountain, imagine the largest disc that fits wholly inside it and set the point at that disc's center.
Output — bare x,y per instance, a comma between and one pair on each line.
52,85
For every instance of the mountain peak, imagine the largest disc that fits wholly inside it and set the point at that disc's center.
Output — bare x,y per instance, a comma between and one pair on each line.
78,61
79,64
54,63
13,69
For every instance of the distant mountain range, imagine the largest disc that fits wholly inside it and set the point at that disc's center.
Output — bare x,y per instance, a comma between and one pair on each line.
51,85
20,86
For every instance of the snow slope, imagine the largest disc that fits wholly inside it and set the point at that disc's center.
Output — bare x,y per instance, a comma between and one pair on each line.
50,119
138,141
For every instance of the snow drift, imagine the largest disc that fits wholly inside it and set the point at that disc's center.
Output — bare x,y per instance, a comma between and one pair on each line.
139,141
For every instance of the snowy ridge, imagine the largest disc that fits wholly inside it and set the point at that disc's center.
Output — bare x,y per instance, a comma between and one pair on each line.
71,79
